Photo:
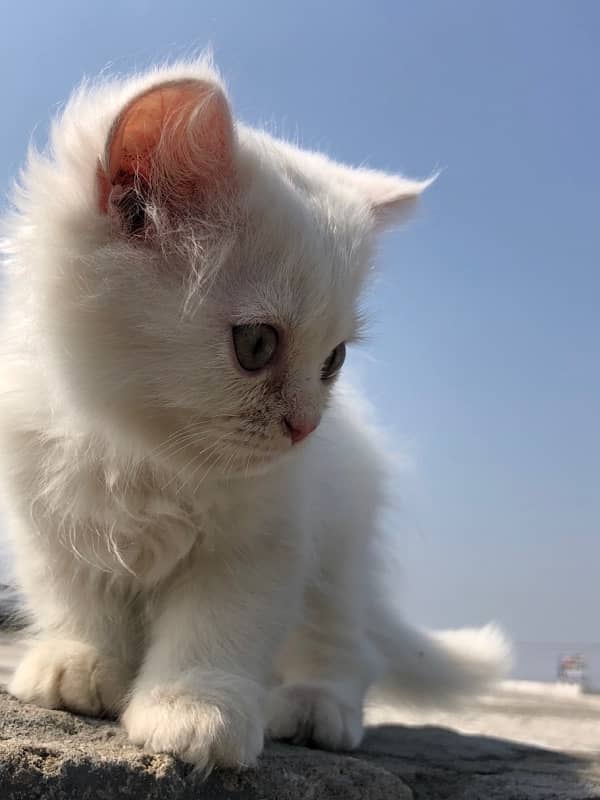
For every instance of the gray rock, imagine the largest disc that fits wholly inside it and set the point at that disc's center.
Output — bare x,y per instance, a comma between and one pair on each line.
12,617
54,754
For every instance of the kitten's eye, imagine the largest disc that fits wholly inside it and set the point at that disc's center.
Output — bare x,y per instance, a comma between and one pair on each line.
255,345
333,363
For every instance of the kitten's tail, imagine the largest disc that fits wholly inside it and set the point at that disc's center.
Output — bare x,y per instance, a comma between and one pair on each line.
441,667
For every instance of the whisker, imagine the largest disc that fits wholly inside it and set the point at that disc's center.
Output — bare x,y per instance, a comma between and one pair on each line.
186,442
207,457
206,452
211,467
196,424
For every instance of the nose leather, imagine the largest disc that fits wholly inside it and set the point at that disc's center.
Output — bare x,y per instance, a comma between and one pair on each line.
299,429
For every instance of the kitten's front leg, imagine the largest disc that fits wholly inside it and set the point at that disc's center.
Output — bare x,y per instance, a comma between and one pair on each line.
82,578
326,666
200,692
85,651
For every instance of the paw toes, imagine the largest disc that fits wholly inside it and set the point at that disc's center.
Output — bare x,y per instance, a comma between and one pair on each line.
69,675
313,716
225,731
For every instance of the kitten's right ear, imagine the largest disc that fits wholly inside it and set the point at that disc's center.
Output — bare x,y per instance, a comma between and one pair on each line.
173,145
390,197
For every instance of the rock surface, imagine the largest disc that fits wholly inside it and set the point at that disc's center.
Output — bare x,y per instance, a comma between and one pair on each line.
53,754
11,618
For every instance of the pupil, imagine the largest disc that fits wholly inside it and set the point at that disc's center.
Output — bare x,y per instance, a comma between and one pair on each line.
258,346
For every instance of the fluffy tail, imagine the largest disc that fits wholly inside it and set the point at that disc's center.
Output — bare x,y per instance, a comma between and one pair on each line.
440,668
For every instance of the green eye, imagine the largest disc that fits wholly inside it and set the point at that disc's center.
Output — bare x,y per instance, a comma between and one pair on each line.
333,362
255,345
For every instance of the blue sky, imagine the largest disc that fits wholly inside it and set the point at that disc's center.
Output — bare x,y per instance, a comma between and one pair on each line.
483,361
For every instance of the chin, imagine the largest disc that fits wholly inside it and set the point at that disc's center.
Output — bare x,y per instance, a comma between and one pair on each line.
256,466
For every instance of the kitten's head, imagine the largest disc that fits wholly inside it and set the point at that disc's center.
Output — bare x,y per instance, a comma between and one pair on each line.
199,281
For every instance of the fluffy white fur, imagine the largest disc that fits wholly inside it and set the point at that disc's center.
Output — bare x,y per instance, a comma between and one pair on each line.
177,554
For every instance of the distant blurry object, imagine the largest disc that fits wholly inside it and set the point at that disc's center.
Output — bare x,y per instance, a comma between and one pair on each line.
572,669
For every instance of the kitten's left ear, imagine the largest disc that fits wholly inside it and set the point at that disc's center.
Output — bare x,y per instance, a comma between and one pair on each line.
391,197
173,144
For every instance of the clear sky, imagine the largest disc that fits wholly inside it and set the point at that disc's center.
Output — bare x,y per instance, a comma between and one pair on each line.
484,360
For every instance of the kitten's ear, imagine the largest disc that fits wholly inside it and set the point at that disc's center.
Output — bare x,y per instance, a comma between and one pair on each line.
173,144
391,197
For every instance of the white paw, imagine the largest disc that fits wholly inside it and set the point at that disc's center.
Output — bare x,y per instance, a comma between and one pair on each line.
313,715
206,718
71,675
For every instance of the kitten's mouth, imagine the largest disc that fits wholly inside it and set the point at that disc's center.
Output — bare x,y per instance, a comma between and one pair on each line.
258,455
248,465
233,452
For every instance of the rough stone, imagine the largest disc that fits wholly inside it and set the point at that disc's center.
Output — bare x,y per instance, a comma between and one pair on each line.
54,755
11,615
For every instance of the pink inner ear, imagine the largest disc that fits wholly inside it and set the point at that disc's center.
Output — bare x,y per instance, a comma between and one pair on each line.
180,133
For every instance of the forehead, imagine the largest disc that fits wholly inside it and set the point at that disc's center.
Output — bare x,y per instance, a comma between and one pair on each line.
301,256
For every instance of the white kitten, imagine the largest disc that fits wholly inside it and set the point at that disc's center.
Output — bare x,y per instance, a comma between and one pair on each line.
179,294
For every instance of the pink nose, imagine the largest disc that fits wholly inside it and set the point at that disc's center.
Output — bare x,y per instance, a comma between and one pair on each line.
299,429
